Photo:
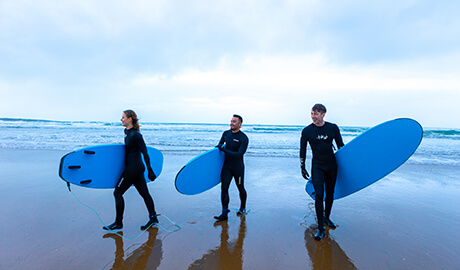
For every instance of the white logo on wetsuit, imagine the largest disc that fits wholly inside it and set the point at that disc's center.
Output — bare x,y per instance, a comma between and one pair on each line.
235,140
321,137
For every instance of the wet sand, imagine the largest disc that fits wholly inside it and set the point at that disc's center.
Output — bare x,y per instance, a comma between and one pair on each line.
408,220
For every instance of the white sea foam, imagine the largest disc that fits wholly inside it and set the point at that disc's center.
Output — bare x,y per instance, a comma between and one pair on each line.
439,146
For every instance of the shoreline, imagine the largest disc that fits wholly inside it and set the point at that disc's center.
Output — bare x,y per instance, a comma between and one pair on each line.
393,224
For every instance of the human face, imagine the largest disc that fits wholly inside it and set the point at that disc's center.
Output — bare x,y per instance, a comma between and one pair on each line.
317,118
126,121
235,124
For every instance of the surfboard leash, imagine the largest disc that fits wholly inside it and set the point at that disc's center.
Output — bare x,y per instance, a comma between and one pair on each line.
238,211
311,207
124,237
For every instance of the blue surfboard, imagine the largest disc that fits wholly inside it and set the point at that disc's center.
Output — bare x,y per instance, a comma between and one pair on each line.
373,155
101,166
201,173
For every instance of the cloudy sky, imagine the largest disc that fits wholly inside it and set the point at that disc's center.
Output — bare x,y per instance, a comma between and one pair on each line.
202,61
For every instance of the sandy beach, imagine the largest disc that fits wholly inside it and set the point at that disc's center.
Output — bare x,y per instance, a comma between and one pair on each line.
408,220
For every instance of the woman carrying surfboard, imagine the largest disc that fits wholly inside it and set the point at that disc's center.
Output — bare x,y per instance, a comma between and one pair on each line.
134,172
320,135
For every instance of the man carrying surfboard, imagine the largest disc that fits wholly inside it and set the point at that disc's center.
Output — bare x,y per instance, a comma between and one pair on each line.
320,135
236,143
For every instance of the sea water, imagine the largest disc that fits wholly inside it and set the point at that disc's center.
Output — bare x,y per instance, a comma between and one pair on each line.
438,147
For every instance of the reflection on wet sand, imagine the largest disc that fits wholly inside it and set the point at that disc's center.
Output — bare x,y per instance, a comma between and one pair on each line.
147,256
326,254
227,255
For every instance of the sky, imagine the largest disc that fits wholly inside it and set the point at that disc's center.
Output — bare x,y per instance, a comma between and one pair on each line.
202,61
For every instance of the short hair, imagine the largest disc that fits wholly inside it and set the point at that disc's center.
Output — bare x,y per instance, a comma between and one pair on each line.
239,117
319,108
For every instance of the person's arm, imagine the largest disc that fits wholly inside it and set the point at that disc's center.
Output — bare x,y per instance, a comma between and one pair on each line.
338,139
140,141
241,150
221,142
303,155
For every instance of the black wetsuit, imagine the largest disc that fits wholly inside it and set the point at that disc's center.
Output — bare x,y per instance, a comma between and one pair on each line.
235,147
134,172
323,164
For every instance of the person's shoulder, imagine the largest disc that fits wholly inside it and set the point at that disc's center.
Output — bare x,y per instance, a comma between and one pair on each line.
331,125
334,127
244,135
308,127
136,133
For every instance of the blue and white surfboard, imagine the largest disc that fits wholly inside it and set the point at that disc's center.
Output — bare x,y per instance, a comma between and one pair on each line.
201,173
374,154
101,166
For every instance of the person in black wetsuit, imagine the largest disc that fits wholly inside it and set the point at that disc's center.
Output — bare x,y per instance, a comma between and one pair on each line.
236,143
323,166
134,172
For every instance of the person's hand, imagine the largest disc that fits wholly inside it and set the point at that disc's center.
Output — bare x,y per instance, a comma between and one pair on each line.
304,172
152,175
221,147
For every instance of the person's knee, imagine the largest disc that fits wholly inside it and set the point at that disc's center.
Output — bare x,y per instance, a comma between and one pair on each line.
117,194
319,197
241,188
143,191
224,190
330,191
319,191
225,186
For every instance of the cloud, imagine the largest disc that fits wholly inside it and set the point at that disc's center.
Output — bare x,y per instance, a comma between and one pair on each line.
116,38
83,18
181,61
310,72
281,89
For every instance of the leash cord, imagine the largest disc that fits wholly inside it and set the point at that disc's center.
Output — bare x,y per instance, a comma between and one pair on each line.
130,238
311,207
238,211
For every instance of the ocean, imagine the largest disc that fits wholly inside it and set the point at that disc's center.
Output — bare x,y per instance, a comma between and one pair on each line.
438,147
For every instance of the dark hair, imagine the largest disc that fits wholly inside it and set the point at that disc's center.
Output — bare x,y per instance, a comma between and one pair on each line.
319,108
239,117
135,120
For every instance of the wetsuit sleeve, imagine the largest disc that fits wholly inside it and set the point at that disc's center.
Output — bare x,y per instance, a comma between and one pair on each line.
338,138
140,141
222,140
241,150
303,147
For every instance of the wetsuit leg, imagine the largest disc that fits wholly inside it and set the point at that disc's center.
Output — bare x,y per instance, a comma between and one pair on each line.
318,177
226,178
143,190
239,180
124,184
331,178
